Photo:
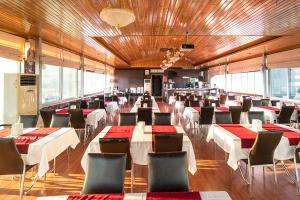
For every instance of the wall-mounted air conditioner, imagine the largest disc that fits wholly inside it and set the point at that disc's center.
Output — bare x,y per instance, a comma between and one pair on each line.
20,96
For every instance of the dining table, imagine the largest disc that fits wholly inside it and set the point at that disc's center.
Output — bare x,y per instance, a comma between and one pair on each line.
141,142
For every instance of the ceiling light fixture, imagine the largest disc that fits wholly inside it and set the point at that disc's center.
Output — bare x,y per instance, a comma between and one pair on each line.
117,17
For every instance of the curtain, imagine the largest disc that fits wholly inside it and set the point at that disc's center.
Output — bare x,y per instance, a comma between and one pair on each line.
249,65
284,59
11,46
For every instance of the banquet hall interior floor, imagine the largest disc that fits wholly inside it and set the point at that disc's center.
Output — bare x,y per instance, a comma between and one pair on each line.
213,174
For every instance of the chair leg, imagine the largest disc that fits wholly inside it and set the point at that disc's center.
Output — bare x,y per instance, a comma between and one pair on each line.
54,166
297,177
250,178
275,173
22,179
132,176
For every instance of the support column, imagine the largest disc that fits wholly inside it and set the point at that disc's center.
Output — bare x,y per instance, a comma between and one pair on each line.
39,67
266,79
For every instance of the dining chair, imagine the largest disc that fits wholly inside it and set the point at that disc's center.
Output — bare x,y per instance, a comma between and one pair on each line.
94,105
60,120
118,145
265,102
262,153
162,118
115,98
168,142
77,121
28,121
231,97
105,173
260,115
285,114
214,101
296,162
11,162
145,114
235,114
46,115
74,105
83,104
168,172
223,98
206,115
127,119
182,98
246,105
256,102
223,118
274,102
194,103
187,103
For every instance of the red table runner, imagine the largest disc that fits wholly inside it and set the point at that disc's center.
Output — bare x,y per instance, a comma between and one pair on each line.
246,135
4,132
162,129
173,196
222,109
120,132
23,141
84,111
197,109
269,108
293,137
96,197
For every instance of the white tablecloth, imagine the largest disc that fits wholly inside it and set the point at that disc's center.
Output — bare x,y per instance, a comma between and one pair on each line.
122,100
231,144
179,106
172,99
94,117
141,145
49,147
210,195
155,108
112,107
270,115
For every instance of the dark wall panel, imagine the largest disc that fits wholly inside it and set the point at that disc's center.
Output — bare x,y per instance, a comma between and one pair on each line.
126,78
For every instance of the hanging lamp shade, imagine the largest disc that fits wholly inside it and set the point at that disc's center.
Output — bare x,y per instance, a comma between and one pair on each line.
117,17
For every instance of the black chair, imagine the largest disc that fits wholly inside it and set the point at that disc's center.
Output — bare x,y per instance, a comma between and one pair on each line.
187,103
115,98
206,115
148,103
285,114
60,120
214,101
83,104
168,142
256,115
75,104
118,145
101,104
296,162
182,98
145,114
105,173
265,102
231,97
94,105
162,118
262,152
256,102
246,105
127,119
194,103
77,121
29,121
108,98
223,118
11,162
274,102
47,116
235,114
168,172
206,103
223,98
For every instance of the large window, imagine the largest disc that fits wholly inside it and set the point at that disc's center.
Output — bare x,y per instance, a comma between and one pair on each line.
278,79
295,83
50,83
69,83
93,82
218,81
6,66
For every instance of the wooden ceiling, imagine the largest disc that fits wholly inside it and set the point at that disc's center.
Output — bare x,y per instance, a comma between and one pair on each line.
216,27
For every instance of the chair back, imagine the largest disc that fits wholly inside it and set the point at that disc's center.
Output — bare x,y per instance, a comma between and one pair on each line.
168,142
187,103
162,118
206,115
296,155
61,120
216,102
231,97
145,114
115,98
168,172
116,145
223,98
194,103
246,105
274,102
127,119
101,104
262,151
28,121
256,115
47,116
147,102
94,105
285,114
75,104
83,104
265,102
235,114
77,119
11,162
182,98
256,102
223,118
105,174
206,103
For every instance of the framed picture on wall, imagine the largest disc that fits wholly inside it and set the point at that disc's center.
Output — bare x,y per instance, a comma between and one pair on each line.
147,72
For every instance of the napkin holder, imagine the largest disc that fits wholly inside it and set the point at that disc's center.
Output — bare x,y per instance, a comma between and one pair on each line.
257,125
17,129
